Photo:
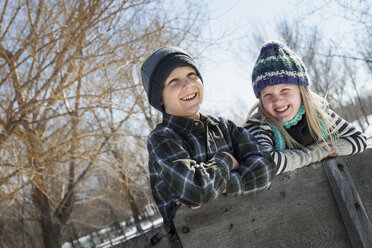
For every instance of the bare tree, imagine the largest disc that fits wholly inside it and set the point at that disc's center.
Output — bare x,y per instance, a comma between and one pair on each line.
351,71
359,13
65,65
354,59
333,75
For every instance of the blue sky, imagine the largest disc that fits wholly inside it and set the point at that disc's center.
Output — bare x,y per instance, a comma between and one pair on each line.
228,90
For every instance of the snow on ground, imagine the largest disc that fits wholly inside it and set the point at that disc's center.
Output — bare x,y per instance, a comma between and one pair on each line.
106,237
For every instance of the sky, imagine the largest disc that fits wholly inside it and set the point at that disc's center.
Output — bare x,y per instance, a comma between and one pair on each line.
228,89
227,83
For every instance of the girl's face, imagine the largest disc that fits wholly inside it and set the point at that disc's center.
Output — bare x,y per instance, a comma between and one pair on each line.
281,101
183,93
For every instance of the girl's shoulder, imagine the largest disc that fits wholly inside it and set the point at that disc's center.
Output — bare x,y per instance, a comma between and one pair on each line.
256,122
253,121
327,109
332,114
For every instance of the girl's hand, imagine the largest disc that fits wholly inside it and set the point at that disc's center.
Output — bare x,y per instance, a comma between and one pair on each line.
328,146
235,162
183,205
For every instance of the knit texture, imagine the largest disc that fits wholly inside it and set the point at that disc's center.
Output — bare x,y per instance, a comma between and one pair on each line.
277,64
342,147
350,141
296,119
280,144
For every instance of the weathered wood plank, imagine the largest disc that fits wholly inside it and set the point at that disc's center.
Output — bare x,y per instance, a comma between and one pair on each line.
351,207
299,211
360,166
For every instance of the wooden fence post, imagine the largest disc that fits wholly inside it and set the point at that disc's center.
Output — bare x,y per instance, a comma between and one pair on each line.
355,218
316,206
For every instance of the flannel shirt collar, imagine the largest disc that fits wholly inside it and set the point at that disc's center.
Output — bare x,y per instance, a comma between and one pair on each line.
185,125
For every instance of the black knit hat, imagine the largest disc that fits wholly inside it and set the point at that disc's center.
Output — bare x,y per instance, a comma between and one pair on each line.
157,68
277,64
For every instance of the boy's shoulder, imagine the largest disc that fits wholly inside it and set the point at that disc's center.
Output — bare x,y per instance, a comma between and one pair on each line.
222,122
218,119
161,130
166,130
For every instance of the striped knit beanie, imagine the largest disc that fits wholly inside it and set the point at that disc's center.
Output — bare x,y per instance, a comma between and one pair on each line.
157,68
277,64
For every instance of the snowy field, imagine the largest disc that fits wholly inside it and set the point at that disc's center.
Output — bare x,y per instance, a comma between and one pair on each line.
106,237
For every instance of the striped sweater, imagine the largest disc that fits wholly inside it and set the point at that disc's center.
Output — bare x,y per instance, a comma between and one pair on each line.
351,141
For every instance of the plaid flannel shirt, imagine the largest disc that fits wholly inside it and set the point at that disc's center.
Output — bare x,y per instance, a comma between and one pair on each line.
187,163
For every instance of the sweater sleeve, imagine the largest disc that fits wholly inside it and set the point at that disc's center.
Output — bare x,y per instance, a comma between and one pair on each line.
350,140
256,165
190,182
288,159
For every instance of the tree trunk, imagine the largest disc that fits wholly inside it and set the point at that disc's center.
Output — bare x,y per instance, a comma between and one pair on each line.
50,226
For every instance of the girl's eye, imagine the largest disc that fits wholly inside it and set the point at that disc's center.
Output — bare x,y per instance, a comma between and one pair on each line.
266,95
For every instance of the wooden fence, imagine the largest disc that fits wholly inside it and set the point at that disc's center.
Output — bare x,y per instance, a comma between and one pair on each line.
327,204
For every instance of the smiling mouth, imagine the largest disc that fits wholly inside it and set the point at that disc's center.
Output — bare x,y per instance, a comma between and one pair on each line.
282,109
189,97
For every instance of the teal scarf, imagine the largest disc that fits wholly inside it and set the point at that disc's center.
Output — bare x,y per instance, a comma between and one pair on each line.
279,137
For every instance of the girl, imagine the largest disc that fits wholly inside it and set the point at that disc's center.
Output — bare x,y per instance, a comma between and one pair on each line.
294,123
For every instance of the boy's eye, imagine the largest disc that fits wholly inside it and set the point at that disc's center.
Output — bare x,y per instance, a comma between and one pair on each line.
192,75
175,82
172,82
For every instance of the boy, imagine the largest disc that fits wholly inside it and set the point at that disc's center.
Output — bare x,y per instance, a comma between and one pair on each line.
194,158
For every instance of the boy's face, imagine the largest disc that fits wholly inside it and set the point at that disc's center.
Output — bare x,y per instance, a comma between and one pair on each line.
183,93
281,101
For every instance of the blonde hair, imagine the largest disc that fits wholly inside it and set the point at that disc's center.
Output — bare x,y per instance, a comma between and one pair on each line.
315,112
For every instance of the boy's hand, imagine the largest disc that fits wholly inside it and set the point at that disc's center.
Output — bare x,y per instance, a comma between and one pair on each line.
183,205
328,146
235,162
